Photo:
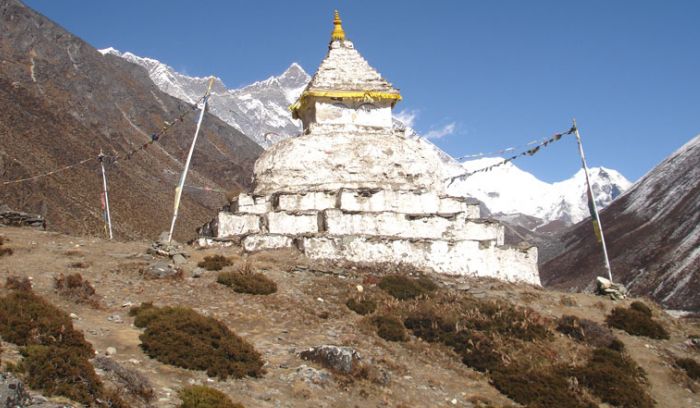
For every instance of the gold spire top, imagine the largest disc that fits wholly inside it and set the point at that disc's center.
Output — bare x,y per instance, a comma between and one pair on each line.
338,33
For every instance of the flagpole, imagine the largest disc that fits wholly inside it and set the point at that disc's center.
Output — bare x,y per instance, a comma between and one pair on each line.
104,185
592,201
178,190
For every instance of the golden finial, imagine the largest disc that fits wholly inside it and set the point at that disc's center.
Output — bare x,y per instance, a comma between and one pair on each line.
338,33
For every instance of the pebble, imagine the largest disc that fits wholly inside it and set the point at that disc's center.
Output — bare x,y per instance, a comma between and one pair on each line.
115,318
74,316
360,288
134,361
320,299
111,351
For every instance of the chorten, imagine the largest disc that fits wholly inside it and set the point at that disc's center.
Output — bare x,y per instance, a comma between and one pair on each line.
350,188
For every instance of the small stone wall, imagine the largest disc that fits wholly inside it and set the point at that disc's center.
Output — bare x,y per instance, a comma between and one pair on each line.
422,229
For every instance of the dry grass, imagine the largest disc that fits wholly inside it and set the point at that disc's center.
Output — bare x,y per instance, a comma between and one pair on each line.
588,332
361,306
390,328
131,381
403,287
4,251
215,262
247,281
17,283
690,366
199,396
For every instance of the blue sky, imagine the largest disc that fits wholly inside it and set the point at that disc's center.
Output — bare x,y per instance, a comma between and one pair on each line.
482,75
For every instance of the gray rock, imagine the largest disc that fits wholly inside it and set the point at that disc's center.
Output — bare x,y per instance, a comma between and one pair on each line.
311,375
179,259
197,272
605,287
340,359
12,392
160,270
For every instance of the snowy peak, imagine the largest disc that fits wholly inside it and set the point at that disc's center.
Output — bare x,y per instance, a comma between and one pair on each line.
508,190
259,110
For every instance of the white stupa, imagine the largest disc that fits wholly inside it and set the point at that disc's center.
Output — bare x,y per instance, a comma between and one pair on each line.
352,189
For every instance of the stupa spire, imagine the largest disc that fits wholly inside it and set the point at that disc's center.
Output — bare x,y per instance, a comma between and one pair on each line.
338,32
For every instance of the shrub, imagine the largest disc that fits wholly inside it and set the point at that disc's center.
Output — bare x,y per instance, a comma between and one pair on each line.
636,323
20,284
254,283
588,332
539,388
389,328
199,396
507,320
76,289
402,287
691,367
61,371
215,262
641,307
362,306
184,338
615,379
26,319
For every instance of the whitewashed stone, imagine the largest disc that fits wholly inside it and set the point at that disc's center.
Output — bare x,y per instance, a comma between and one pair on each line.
314,200
469,258
347,157
453,205
231,225
280,222
407,202
247,204
259,242
399,225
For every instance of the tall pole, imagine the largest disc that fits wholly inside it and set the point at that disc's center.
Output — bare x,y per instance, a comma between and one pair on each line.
593,205
178,190
106,194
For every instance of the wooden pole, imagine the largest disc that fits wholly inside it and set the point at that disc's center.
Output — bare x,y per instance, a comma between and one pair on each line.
106,194
178,189
592,199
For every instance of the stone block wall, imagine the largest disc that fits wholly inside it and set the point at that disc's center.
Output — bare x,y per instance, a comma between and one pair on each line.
422,229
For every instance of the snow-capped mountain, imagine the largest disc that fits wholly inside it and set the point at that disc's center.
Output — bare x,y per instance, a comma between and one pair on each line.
653,237
259,110
509,190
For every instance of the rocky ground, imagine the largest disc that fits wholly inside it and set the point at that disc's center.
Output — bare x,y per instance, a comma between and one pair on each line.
307,310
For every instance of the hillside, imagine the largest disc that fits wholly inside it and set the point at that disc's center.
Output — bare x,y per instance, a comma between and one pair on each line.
62,101
653,236
309,309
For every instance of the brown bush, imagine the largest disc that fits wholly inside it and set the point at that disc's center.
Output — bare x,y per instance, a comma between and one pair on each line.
588,332
215,262
641,307
184,338
389,328
615,378
199,396
76,289
636,323
402,287
691,367
507,320
246,281
544,388
361,306
26,319
16,283
65,372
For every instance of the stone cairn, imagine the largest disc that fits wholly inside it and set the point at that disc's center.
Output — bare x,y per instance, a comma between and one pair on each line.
353,189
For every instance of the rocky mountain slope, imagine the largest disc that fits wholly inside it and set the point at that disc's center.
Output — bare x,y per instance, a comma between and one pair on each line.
653,236
62,101
259,110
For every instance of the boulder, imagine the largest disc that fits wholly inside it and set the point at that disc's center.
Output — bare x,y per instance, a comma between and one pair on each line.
336,358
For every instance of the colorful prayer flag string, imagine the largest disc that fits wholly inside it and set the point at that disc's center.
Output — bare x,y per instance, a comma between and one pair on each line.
529,152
